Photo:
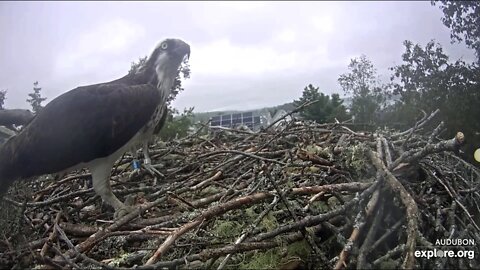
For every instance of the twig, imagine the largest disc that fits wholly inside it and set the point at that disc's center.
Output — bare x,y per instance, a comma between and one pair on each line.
241,153
420,125
413,155
411,208
53,234
367,243
391,253
314,220
214,211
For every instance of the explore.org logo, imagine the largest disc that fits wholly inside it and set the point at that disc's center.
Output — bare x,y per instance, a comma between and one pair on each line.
451,248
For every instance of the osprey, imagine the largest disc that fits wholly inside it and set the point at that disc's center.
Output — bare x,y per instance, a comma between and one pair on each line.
92,126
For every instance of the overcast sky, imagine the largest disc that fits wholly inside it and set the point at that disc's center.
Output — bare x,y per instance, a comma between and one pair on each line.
245,55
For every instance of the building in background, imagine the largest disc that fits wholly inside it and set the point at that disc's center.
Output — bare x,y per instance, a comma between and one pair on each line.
235,120
254,120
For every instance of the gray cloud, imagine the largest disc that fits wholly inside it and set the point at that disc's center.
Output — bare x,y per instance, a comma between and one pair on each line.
244,55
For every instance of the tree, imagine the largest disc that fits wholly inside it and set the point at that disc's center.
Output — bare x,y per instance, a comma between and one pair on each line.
36,98
428,80
368,94
325,110
417,79
3,95
339,111
463,19
177,125
136,66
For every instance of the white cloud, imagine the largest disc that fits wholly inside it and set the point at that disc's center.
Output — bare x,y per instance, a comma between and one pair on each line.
287,36
323,23
221,56
93,47
243,5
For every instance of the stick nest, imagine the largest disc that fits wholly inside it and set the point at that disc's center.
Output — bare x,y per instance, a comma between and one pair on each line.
293,196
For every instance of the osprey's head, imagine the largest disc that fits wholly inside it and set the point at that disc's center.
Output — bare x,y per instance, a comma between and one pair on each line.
165,61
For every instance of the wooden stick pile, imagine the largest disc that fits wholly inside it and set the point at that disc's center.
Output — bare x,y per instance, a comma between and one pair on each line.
295,195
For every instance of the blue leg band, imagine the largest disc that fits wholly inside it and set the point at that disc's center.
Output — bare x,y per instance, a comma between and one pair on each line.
136,164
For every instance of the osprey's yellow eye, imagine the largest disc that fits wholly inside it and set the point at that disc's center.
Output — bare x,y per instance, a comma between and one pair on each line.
164,46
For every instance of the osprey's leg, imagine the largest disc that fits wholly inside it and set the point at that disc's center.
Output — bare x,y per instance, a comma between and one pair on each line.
101,185
148,162
135,162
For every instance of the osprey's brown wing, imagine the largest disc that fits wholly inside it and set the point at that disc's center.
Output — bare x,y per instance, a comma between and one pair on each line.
79,126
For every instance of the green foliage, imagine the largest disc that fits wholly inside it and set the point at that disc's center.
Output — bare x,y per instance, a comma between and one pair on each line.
338,109
463,19
177,127
369,94
323,111
36,98
427,80
183,74
135,66
3,94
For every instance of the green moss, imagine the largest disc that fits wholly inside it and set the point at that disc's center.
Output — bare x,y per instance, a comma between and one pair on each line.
313,169
227,228
389,264
333,202
355,159
262,260
121,259
324,153
251,214
269,222
290,183
276,257
292,170
312,149
319,206
319,151
298,249
210,190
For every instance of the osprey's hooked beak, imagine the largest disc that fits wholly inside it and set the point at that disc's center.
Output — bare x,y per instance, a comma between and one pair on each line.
181,50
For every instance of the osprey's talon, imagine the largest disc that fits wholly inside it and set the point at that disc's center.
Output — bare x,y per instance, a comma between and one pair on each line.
154,172
149,167
123,211
134,173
